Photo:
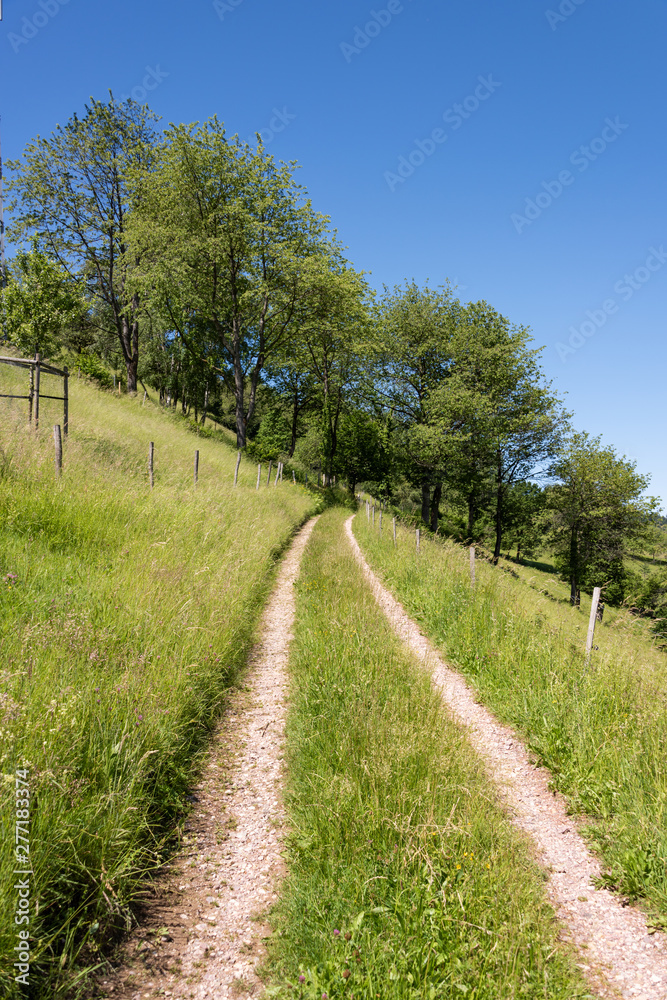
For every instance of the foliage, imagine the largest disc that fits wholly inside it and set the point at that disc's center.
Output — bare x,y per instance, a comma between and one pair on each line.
39,301
71,192
225,241
598,505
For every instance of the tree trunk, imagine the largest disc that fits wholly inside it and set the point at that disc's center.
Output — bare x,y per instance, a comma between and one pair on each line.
435,506
203,416
426,502
295,421
499,524
241,425
128,334
575,596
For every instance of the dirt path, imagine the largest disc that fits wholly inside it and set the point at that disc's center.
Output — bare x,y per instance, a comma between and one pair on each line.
202,937
617,953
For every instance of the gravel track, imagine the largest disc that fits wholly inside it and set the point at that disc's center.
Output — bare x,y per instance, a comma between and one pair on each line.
201,936
618,954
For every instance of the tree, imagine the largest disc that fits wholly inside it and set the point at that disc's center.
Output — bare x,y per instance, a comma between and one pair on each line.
412,347
598,506
508,410
225,241
71,192
361,451
333,325
39,301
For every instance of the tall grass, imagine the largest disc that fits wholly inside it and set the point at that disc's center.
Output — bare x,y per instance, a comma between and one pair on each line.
599,729
125,614
405,878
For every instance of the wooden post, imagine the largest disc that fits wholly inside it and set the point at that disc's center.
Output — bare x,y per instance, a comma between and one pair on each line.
58,441
268,478
66,401
380,518
37,380
196,467
31,393
281,471
472,565
294,477
259,474
236,470
151,456
275,481
591,624
394,531
373,515
419,535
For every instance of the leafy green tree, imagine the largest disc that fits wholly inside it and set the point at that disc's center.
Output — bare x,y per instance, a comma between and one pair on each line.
332,330
362,455
71,191
225,241
598,507
412,349
39,302
525,517
507,410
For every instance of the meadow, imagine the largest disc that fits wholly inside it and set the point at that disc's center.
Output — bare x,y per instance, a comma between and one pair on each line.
599,728
406,880
125,615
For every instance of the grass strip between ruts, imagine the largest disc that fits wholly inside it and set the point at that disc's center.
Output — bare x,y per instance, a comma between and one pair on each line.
406,880
600,729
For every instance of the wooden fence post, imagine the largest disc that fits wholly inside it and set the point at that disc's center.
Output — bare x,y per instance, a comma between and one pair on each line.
31,393
259,474
294,477
151,456
380,518
196,467
281,471
275,481
66,400
58,441
373,515
236,470
419,535
37,380
591,624
394,531
472,565
268,478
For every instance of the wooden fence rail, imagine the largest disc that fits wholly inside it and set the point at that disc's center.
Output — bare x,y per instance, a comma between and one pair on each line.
36,367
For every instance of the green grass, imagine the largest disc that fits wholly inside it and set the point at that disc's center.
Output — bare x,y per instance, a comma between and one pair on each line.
403,872
125,615
600,730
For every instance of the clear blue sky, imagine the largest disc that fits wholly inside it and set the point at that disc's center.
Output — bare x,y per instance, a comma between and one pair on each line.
349,105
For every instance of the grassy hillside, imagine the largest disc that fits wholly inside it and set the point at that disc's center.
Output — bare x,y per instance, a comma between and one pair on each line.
600,729
124,616
406,880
